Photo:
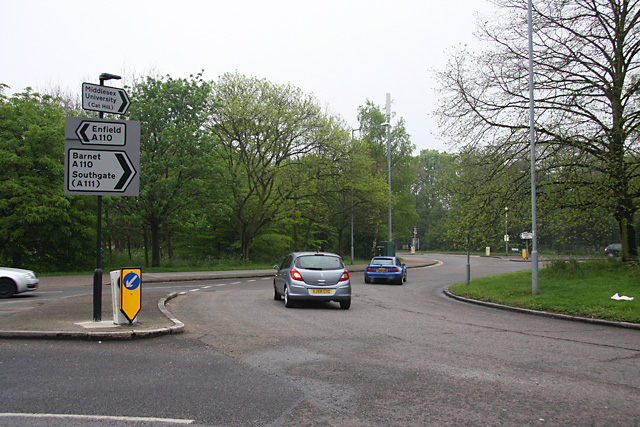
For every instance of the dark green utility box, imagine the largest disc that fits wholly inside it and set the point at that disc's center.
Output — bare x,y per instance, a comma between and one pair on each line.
385,249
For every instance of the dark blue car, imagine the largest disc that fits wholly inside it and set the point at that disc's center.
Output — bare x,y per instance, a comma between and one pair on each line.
385,268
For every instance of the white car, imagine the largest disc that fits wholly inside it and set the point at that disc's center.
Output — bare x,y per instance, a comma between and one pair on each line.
16,280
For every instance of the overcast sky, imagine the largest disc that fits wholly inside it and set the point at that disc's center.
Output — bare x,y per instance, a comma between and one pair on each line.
341,51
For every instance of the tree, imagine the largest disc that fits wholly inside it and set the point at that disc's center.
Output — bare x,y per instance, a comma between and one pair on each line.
586,81
374,134
431,199
40,227
264,131
174,157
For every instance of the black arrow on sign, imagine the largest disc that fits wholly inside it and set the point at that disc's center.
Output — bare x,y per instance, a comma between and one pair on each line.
82,131
125,102
126,174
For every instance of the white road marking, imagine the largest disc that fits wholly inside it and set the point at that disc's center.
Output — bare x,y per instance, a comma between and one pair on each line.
97,417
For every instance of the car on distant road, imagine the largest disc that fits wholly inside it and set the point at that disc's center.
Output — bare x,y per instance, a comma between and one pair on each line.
16,280
312,276
386,268
613,249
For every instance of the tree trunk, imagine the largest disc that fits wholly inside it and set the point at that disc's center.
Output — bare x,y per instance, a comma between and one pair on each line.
375,237
245,243
169,247
627,232
146,246
308,235
155,245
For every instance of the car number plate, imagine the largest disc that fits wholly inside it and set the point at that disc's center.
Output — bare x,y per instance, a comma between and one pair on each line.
382,270
321,292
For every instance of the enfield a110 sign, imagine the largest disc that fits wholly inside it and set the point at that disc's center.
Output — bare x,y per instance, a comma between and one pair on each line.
102,157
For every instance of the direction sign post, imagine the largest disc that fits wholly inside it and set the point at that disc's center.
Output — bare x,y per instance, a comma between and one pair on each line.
107,168
102,157
93,170
526,236
95,132
104,99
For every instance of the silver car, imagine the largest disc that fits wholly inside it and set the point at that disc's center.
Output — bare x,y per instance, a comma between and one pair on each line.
15,281
313,277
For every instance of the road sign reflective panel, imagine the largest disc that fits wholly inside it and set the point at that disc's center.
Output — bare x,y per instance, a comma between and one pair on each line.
95,132
130,292
104,99
102,157
95,170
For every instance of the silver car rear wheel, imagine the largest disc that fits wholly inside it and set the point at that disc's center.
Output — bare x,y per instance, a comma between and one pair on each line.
287,301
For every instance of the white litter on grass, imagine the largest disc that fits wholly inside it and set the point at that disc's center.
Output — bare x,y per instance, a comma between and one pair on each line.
621,298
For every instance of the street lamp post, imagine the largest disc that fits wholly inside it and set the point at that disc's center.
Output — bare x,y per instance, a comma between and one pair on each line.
532,137
353,131
506,232
388,126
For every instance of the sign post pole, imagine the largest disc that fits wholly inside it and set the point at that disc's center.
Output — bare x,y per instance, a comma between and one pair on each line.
97,274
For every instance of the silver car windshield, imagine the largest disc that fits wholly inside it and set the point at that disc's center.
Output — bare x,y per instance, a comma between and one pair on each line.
316,262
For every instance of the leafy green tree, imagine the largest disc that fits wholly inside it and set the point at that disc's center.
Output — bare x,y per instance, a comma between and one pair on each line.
175,158
482,182
374,133
431,199
40,227
586,62
370,197
264,131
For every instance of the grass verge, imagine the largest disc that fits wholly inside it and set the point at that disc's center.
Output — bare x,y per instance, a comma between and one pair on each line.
569,287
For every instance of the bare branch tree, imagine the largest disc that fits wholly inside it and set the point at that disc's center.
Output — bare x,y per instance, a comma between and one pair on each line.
586,62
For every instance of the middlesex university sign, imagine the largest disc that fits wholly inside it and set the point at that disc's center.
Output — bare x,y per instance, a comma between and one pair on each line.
102,157
105,99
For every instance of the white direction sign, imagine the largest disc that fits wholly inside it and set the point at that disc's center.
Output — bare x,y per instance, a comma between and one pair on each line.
526,235
97,170
102,157
105,99
95,132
